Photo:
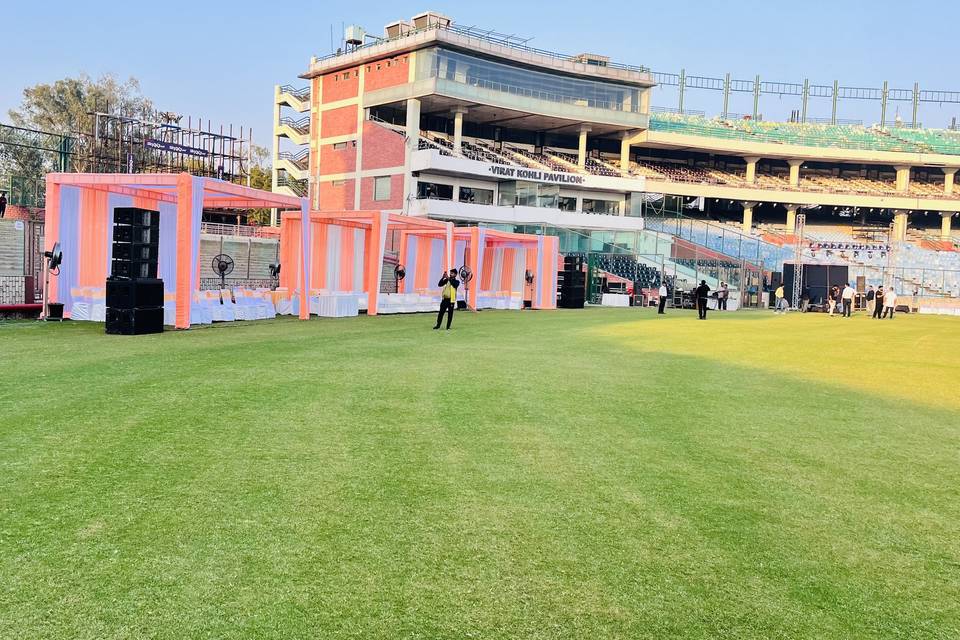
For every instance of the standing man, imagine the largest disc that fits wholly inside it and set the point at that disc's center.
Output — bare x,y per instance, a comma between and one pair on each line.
448,297
663,297
702,292
722,296
834,298
878,302
870,299
3,203
889,303
781,301
847,297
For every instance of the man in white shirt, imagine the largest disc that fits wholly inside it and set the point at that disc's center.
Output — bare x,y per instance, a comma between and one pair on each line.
889,303
847,297
663,296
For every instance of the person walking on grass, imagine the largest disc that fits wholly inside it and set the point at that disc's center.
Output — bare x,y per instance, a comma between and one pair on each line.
702,292
878,302
847,297
663,297
871,302
448,297
889,303
780,300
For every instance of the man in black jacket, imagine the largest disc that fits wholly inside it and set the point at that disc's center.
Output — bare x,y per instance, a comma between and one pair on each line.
878,302
702,292
448,297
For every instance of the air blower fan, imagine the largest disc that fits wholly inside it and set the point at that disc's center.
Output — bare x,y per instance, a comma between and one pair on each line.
528,277
222,266
53,257
399,272
466,276
275,274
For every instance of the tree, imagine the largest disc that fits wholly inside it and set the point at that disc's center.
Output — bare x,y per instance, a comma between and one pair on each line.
65,106
261,177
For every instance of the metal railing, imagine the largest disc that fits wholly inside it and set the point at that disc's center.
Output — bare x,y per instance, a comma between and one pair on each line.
300,125
213,284
24,191
299,187
484,36
241,230
300,159
301,93
720,240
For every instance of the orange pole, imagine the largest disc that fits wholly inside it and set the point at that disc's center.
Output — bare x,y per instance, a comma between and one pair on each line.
374,260
474,265
50,237
184,249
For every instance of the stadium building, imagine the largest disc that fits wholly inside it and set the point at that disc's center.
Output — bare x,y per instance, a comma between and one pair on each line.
435,120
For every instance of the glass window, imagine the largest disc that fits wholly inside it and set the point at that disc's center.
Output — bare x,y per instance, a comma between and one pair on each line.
434,191
476,196
381,188
487,74
567,203
520,193
608,207
508,194
548,195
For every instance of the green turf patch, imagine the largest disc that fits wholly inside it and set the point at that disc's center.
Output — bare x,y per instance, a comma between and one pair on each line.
597,473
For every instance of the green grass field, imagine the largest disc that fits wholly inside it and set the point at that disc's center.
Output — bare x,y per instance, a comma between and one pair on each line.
569,474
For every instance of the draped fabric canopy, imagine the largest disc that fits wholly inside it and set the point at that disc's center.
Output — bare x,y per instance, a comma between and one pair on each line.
343,250
79,215
499,261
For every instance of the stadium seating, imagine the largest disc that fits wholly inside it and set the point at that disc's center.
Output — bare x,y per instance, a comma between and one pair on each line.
805,134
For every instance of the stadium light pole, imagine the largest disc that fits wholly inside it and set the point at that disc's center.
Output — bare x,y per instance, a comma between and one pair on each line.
806,97
683,82
756,97
883,104
726,96
836,89
916,104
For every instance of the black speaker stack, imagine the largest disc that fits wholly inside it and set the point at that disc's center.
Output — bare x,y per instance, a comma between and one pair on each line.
134,297
572,283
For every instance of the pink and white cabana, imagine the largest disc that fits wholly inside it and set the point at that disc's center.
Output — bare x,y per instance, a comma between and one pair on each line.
342,252
79,215
499,260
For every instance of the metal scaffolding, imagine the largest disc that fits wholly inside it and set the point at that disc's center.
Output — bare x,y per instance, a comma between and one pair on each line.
884,95
163,143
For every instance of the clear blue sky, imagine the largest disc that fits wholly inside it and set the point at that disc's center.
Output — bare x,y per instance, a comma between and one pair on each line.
220,60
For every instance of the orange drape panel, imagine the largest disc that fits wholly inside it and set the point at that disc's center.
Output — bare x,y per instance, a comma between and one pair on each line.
424,251
318,257
506,269
94,219
346,260
289,252
486,276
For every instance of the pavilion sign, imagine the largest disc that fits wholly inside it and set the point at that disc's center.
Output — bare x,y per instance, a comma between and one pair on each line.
535,175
